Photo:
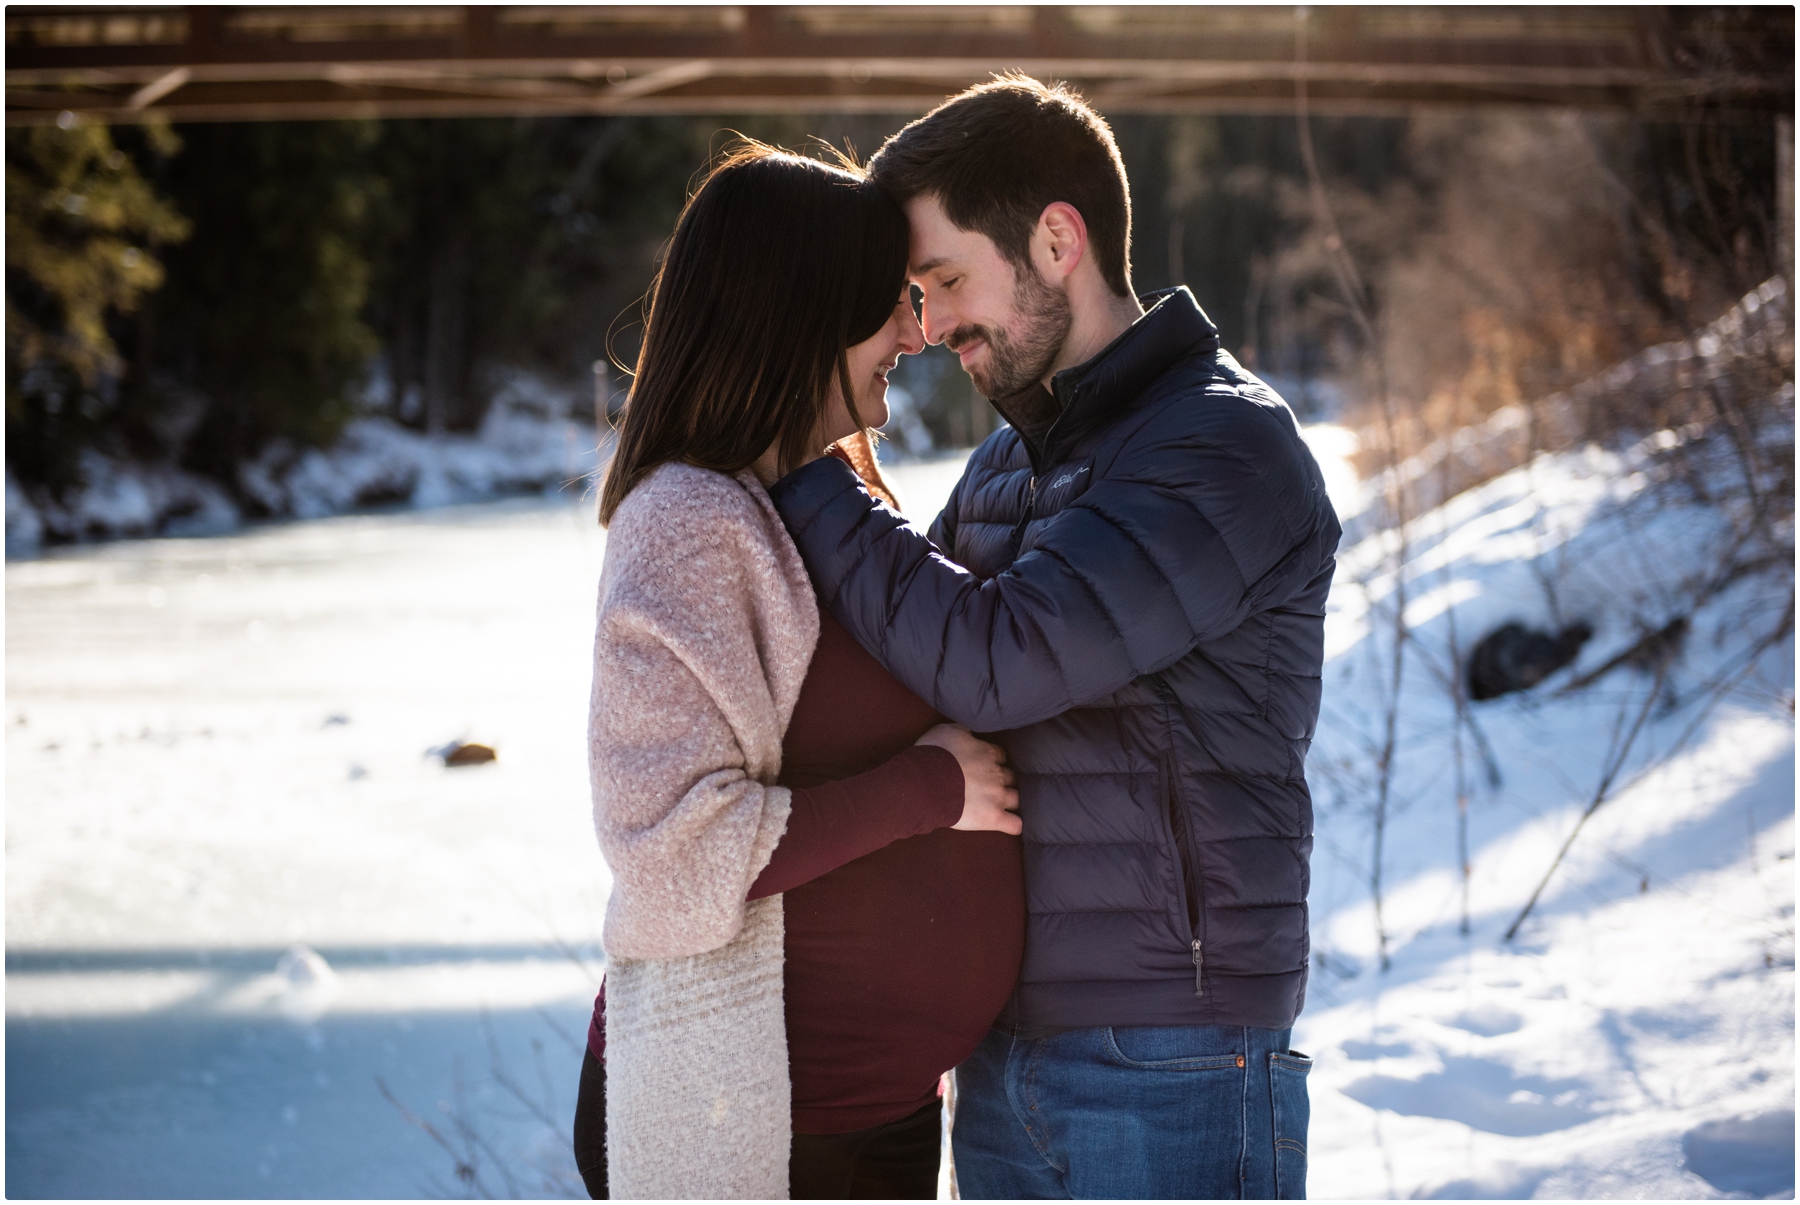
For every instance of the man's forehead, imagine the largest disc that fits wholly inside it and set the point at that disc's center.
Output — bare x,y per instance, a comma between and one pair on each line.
937,242
926,266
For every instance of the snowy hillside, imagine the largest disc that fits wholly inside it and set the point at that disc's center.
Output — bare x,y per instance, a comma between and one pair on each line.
1636,1037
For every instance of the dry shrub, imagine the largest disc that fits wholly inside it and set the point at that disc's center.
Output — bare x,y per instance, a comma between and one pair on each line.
1521,284
1525,255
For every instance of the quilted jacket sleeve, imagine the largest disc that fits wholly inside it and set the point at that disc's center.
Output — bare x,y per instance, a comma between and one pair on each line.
1179,539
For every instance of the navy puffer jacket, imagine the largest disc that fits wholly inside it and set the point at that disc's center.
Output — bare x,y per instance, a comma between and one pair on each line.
1135,611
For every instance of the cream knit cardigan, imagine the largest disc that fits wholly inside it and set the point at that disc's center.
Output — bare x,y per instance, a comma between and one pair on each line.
707,624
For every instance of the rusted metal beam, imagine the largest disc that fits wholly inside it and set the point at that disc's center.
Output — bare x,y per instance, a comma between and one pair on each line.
250,63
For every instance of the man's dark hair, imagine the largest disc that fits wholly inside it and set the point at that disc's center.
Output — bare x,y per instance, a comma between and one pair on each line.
997,154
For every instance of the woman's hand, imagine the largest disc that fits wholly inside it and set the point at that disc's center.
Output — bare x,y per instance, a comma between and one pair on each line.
990,803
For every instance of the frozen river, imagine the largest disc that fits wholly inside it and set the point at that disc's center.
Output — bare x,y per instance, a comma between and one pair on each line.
216,752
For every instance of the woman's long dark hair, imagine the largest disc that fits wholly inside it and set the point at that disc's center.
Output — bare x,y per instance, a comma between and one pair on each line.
778,266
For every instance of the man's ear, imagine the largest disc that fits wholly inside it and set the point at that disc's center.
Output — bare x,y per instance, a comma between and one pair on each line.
1059,243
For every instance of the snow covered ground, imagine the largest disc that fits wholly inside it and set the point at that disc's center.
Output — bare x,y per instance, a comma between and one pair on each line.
1636,1038
216,753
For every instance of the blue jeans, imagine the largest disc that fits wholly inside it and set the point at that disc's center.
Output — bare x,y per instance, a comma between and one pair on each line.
1191,1112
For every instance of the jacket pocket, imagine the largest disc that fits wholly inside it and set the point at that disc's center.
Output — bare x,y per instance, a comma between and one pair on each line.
1292,1114
1184,862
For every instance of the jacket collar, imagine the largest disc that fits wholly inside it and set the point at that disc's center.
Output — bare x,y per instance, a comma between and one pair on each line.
1173,328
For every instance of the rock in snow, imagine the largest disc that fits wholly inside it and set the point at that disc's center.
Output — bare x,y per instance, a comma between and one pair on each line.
1515,657
469,755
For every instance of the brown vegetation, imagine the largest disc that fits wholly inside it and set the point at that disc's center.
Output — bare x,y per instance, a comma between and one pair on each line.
1525,256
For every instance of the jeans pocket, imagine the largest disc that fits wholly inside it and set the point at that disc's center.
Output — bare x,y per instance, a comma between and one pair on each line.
1165,1048
1292,1112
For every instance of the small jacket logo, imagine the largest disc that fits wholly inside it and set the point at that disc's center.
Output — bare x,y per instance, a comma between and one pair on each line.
1066,478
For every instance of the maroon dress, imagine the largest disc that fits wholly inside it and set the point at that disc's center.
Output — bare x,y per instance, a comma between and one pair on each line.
903,936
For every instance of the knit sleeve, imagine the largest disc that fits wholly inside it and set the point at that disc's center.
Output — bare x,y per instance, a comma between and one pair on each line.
686,718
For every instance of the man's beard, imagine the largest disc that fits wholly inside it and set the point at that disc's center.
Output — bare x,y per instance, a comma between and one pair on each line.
1044,320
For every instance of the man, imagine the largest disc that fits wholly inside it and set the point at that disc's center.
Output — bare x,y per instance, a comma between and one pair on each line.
1133,603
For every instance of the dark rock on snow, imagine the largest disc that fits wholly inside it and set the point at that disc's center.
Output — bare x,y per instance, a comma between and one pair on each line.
1515,657
469,755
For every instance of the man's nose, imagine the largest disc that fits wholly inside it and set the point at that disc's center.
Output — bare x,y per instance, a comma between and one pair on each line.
938,320
912,337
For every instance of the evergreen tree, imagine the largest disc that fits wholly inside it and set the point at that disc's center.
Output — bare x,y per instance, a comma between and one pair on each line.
83,227
262,313
516,244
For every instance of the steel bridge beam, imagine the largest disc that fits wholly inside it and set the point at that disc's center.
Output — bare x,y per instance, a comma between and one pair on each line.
212,63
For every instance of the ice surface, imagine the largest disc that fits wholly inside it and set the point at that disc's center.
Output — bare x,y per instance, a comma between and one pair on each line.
237,889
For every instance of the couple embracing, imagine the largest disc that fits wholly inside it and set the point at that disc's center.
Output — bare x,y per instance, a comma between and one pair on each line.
1022,796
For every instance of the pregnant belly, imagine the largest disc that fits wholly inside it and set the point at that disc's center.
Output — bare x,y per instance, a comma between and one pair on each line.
897,965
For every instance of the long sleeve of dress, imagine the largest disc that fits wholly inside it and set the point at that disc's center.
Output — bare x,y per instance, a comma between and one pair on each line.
838,822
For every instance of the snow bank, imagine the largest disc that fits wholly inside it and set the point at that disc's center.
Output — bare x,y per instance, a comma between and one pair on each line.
378,462
24,526
121,498
526,444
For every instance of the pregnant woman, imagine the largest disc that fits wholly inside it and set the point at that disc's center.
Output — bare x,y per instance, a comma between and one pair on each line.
800,940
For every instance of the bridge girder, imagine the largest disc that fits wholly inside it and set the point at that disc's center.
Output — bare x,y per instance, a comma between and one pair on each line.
211,63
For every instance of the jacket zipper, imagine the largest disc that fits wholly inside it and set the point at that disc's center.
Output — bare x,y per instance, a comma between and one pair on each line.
1178,830
1018,535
